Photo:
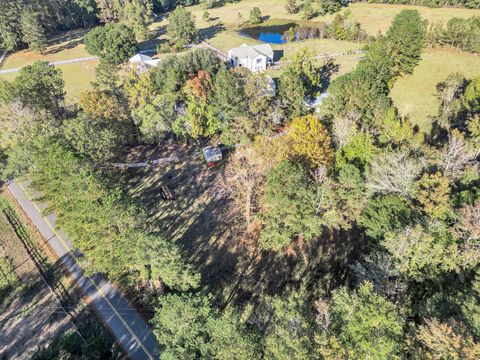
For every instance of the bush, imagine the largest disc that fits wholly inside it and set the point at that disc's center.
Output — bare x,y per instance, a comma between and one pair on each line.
255,16
164,48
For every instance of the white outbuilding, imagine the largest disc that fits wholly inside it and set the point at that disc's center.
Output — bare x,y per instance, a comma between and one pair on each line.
143,62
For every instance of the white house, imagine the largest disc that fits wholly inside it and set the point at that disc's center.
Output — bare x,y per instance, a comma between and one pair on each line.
143,61
255,57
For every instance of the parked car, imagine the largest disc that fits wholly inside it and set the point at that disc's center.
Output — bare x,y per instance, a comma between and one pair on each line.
213,155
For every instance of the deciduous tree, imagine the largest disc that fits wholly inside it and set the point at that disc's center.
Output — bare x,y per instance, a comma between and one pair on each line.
188,327
255,16
98,139
155,118
40,87
383,214
163,263
432,192
393,173
102,104
113,43
310,141
420,255
366,324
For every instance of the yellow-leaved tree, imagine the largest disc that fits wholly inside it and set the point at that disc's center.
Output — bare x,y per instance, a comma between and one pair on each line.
310,141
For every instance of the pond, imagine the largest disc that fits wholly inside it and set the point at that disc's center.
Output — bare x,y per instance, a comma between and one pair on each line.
268,34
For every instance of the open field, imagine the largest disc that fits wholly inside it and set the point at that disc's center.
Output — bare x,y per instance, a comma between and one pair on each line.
415,95
378,17
77,76
372,17
66,46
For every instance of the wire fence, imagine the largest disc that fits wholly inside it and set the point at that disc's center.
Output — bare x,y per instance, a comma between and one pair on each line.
62,62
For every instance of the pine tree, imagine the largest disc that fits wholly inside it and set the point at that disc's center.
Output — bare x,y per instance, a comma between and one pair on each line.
138,15
33,32
407,38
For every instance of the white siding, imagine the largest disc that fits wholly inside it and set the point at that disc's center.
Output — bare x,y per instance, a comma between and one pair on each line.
258,64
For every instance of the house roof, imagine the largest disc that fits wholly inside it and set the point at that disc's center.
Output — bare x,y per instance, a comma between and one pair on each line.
153,62
139,58
144,60
247,51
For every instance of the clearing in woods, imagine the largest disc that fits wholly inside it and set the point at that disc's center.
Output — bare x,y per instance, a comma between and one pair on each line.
205,222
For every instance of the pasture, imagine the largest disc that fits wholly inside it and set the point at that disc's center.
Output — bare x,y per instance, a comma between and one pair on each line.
372,17
415,95
65,46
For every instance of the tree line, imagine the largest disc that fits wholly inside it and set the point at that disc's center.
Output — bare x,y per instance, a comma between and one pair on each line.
30,23
341,28
458,33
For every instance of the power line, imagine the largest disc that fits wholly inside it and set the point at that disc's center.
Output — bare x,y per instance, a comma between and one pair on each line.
15,224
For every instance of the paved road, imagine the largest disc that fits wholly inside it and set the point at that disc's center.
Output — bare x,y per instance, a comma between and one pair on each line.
62,62
131,332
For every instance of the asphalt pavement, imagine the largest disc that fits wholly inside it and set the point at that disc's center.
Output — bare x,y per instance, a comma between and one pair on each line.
130,330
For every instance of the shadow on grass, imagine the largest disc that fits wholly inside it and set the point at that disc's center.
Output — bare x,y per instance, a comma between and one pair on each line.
327,70
211,31
203,221
66,40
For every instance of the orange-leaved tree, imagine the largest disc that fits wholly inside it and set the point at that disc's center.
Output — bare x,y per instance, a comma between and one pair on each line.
311,142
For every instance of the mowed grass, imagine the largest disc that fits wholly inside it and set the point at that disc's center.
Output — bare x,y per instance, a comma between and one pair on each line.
415,95
372,17
375,18
66,46
77,77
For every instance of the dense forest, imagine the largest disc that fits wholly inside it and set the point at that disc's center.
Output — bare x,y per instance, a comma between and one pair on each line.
402,206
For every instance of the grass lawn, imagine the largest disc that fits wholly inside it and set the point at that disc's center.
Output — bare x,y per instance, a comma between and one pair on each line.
372,17
68,45
415,95
77,77
378,17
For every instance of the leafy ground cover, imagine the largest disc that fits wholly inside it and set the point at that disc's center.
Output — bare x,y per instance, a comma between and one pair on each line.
205,222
